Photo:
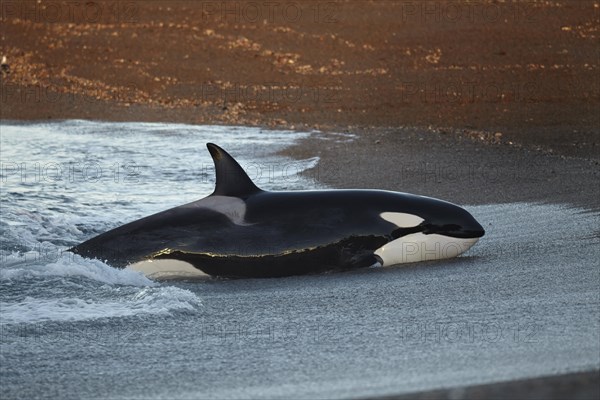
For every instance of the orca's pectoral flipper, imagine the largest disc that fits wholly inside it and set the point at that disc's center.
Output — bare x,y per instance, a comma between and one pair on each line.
232,180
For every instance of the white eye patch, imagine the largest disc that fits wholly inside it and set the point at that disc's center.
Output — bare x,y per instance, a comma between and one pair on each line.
402,220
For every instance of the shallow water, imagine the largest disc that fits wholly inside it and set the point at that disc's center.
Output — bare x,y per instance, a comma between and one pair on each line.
64,182
523,302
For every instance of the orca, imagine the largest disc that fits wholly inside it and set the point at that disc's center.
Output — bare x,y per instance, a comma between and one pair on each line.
242,231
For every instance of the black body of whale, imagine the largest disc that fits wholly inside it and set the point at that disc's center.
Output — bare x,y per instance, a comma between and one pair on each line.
243,231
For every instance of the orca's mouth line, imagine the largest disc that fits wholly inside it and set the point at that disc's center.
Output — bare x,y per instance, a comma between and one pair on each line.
455,231
451,230
400,232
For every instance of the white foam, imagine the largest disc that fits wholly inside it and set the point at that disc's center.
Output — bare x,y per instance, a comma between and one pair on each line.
157,301
19,268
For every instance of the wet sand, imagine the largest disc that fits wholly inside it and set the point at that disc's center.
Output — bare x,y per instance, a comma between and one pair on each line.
477,103
453,166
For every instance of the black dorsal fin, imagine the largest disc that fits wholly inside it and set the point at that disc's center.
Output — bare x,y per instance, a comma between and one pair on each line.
232,180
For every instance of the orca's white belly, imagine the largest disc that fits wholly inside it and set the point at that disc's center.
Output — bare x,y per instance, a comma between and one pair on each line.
167,269
420,247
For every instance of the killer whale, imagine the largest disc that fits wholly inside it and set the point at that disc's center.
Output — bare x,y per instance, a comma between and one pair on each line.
241,230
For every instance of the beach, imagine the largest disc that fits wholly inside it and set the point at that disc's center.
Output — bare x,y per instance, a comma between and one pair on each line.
525,70
478,103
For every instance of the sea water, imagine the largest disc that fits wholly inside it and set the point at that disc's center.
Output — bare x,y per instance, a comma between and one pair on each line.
65,182
522,302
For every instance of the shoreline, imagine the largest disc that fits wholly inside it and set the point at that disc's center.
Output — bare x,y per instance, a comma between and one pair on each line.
465,167
458,168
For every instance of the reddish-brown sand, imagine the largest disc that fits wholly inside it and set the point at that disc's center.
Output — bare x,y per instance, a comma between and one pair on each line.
525,72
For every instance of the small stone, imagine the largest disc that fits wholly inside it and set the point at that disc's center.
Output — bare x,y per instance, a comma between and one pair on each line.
4,66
